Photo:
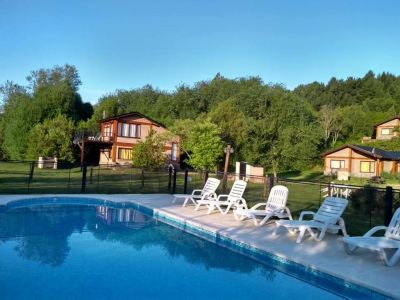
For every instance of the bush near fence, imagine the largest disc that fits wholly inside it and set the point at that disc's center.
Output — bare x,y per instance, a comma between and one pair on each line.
366,204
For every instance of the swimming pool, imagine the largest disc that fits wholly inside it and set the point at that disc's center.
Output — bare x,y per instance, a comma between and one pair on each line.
70,249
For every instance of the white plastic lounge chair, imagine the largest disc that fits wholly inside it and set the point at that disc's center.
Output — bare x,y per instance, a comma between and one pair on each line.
208,191
327,218
274,207
234,198
390,241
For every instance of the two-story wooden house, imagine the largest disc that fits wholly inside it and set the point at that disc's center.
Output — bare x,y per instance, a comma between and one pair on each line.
119,134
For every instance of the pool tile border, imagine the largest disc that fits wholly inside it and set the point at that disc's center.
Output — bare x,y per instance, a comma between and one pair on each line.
313,276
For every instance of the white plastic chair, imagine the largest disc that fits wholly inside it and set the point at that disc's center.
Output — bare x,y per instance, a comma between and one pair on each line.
208,191
274,207
390,241
327,218
235,197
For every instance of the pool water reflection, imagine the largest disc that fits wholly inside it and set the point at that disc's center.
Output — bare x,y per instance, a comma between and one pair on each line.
70,251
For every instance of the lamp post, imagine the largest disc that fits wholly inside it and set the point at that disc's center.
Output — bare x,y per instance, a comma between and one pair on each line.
228,150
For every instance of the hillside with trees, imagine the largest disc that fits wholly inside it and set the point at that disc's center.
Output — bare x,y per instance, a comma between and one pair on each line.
267,124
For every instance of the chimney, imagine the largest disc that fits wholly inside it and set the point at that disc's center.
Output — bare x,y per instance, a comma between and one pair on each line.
373,151
104,114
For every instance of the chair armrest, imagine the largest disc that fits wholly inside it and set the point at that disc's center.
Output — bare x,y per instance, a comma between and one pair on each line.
241,204
258,205
209,195
304,213
374,230
222,196
196,192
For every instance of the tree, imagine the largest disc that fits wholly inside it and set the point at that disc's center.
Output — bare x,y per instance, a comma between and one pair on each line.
149,154
53,137
231,121
285,137
201,140
327,122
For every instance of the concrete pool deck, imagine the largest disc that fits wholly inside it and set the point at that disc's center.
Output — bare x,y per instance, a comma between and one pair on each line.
328,256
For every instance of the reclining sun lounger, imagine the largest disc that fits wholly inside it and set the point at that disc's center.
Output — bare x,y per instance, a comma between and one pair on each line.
274,207
389,242
208,191
327,218
235,197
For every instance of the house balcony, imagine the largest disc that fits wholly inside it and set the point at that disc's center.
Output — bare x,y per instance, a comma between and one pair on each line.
92,137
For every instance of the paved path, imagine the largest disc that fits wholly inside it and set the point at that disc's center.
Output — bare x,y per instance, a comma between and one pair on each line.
363,268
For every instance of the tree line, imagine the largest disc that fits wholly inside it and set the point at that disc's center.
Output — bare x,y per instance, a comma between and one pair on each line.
267,124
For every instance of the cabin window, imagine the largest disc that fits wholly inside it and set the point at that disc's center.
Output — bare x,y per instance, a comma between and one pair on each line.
174,151
128,130
367,166
108,129
337,164
125,153
387,131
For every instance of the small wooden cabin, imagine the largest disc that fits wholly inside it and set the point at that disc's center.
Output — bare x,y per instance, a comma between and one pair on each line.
386,129
361,161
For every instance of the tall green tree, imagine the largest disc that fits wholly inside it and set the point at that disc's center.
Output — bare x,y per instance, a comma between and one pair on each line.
52,138
149,154
201,141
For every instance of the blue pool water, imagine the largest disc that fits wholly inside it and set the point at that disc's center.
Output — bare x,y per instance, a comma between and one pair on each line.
107,251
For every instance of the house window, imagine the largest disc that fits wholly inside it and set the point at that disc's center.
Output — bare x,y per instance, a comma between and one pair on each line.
387,131
128,130
174,151
125,153
337,164
367,167
108,129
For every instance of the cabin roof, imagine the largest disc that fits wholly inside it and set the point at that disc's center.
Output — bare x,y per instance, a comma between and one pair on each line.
369,151
131,114
383,122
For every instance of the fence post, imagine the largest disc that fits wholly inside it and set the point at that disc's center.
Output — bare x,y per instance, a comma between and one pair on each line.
32,168
69,177
185,181
174,182
169,177
142,175
91,175
131,182
84,169
271,182
265,190
388,208
98,179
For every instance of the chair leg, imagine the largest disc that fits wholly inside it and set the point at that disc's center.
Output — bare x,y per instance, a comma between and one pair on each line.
349,249
390,262
288,213
224,212
302,232
276,230
342,225
197,206
321,234
265,220
185,202
212,207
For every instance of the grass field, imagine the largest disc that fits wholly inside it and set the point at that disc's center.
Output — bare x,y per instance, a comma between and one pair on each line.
14,179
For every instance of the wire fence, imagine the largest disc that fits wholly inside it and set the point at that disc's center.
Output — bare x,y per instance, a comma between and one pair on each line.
368,206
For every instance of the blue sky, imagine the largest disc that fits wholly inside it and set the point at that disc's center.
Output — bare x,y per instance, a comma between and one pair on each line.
127,44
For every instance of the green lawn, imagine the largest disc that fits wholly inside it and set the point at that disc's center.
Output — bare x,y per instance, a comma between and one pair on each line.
302,196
